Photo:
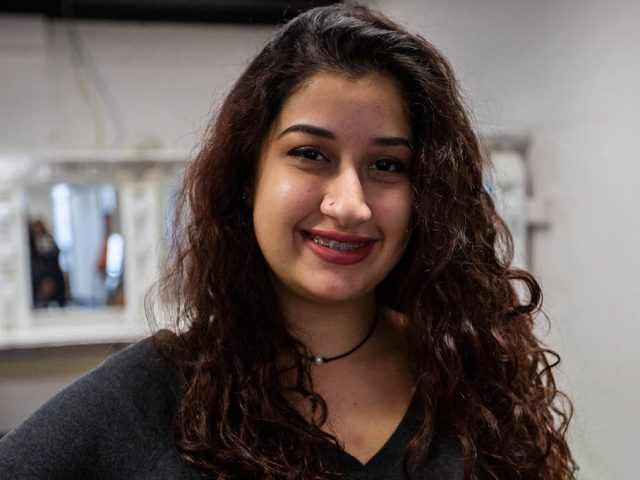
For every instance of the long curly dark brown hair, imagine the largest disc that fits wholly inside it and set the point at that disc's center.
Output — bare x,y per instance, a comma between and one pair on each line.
482,375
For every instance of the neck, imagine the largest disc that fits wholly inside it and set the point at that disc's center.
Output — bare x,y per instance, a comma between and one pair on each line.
329,329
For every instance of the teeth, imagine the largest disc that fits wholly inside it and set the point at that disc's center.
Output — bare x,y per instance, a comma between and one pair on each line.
342,246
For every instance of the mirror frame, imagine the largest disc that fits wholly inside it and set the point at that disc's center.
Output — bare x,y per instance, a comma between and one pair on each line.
141,178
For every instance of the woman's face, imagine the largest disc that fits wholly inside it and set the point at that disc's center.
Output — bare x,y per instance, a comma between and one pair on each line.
332,198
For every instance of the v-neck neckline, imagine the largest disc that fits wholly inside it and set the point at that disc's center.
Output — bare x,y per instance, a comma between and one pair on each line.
387,456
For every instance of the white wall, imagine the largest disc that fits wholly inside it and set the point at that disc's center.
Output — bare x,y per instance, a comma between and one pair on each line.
98,85
565,73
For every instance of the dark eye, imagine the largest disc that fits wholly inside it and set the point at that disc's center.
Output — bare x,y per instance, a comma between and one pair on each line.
388,165
308,153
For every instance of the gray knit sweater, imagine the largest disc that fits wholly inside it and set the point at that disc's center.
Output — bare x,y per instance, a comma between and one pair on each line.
115,423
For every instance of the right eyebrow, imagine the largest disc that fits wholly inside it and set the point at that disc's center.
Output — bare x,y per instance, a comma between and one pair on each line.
310,129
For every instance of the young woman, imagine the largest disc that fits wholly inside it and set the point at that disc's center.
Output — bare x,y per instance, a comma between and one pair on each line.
342,290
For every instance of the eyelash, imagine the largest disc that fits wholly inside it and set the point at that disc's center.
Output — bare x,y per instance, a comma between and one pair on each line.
397,167
311,154
302,153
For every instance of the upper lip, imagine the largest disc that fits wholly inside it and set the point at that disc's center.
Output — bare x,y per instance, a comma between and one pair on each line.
339,236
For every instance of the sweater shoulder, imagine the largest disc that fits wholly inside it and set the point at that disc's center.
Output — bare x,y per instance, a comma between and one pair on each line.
113,419
138,369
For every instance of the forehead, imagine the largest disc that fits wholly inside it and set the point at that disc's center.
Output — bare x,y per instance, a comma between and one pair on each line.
368,104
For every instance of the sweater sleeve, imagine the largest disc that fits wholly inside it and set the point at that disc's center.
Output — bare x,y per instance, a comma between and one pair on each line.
59,440
114,422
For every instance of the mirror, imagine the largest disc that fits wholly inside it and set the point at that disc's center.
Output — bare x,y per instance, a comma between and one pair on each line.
76,248
83,235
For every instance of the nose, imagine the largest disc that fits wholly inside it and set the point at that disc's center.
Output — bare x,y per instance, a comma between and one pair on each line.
344,200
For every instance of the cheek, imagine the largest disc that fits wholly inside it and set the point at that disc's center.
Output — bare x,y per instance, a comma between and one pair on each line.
282,200
394,211
292,192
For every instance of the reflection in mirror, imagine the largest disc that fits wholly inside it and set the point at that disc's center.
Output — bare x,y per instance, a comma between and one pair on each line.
76,248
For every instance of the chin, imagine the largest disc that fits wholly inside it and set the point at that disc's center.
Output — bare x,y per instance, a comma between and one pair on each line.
338,294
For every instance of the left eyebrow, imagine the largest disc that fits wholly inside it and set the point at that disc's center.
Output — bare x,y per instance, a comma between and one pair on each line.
392,142
309,129
324,133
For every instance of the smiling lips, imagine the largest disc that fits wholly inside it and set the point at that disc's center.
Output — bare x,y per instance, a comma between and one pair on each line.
338,248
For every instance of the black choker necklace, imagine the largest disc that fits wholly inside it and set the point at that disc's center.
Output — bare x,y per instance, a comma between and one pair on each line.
320,360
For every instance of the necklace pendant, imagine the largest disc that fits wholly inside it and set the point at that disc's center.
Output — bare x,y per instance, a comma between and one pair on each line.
320,360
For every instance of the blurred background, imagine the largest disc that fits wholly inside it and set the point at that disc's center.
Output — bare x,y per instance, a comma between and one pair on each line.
103,103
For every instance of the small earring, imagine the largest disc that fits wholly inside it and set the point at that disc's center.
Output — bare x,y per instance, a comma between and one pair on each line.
247,198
